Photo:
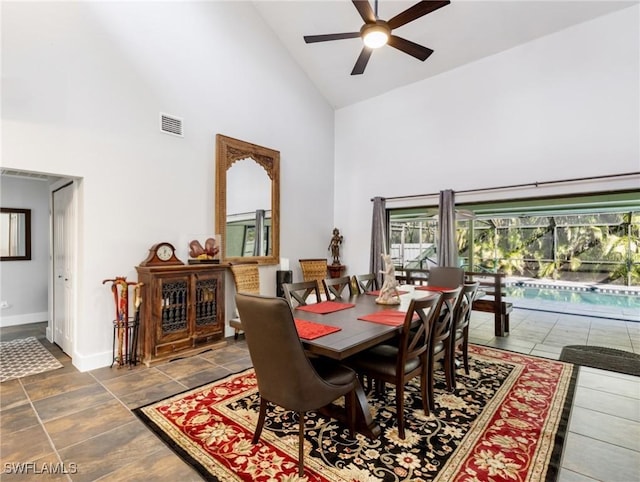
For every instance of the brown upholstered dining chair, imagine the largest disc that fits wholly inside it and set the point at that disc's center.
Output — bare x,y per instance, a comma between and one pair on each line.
366,282
460,330
300,294
439,344
246,277
286,376
314,269
335,287
446,277
400,362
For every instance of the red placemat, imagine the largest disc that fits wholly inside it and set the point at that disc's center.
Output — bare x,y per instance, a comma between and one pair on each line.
386,317
325,307
377,292
434,288
310,330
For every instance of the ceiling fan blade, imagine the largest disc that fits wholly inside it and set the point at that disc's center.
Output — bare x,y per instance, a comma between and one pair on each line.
330,36
365,10
411,48
417,11
362,61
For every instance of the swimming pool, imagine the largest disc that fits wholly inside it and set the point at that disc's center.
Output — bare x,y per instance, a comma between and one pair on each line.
628,304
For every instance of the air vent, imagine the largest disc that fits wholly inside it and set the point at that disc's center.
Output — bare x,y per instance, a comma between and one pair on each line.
170,124
24,174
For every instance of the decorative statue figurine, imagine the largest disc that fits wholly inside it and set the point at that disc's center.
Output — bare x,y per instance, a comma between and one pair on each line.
334,246
388,293
210,250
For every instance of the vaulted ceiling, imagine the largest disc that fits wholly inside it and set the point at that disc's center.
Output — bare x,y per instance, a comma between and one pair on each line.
462,32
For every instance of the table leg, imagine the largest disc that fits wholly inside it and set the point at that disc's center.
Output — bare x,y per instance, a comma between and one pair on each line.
364,422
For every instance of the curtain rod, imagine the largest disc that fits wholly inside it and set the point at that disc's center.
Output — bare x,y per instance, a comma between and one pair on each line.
512,186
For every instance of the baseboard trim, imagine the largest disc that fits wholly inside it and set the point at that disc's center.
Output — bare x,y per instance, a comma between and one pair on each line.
23,319
91,362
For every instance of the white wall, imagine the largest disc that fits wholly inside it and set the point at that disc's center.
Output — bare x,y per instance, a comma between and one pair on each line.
23,284
83,86
561,107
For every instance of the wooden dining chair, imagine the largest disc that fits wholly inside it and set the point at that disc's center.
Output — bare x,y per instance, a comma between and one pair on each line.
335,287
246,277
286,376
300,294
460,329
439,344
366,282
445,276
399,363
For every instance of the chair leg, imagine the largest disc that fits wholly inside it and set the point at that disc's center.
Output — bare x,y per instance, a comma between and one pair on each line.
448,371
424,380
301,444
432,403
465,353
350,408
451,360
261,416
235,334
400,407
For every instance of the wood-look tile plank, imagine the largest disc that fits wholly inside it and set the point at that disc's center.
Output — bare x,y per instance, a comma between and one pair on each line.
50,386
136,380
17,418
71,402
12,394
185,367
24,445
88,423
101,455
147,395
160,466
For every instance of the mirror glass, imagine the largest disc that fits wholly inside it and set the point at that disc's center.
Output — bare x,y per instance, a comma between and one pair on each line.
247,201
15,234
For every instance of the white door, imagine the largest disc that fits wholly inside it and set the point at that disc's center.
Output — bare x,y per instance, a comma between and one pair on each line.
63,263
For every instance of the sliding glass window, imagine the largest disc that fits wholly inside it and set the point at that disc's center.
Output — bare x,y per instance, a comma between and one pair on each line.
590,239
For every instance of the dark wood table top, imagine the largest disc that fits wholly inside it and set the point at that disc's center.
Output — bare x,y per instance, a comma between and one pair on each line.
355,335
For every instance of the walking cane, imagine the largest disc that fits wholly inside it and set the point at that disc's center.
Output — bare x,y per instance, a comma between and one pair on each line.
122,315
137,301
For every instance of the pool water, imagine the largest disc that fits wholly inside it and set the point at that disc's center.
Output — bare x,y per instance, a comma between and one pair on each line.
568,296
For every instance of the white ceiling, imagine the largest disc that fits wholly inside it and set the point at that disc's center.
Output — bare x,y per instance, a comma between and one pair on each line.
459,33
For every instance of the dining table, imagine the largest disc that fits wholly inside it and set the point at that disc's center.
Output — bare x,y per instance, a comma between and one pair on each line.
348,335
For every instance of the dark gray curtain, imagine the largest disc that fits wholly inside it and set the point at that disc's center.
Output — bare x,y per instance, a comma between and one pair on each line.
447,247
378,237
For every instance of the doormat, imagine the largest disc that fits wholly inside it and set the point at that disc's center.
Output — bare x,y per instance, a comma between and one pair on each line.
602,357
506,421
23,357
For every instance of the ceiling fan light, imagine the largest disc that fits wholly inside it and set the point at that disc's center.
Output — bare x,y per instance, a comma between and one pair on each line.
375,36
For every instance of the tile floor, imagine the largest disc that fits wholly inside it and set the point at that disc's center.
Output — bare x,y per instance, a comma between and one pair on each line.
85,418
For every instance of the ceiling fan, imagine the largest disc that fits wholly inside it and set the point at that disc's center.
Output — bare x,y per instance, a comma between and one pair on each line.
375,32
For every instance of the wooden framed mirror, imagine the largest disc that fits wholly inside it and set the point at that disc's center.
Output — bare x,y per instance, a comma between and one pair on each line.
15,231
247,201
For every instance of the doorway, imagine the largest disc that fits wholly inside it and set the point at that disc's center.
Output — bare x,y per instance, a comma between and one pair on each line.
63,225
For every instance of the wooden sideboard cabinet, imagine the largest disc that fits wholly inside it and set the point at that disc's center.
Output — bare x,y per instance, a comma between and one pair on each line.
182,310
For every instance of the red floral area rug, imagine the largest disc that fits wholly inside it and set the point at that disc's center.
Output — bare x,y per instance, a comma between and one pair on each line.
505,421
